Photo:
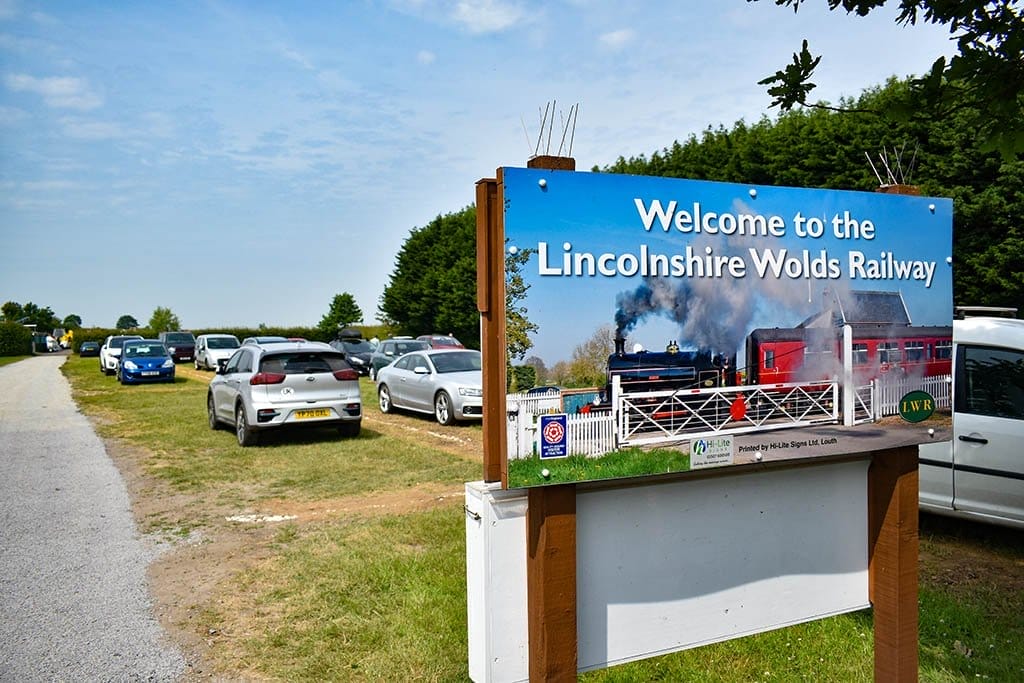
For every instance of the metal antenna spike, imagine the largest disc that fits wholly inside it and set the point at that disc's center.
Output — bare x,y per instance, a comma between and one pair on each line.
573,134
551,125
873,169
543,121
526,133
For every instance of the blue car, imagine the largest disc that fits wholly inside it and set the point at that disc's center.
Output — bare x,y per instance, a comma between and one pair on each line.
145,360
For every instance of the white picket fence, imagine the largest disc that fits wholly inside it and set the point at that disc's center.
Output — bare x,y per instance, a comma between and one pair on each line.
587,434
887,393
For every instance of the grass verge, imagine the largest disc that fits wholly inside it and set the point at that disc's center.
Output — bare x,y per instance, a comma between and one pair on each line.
376,596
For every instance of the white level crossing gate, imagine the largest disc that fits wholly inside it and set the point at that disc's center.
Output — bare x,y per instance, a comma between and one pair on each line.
652,417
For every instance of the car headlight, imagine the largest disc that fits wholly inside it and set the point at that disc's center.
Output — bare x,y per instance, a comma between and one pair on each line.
171,349
357,361
470,391
169,363
128,365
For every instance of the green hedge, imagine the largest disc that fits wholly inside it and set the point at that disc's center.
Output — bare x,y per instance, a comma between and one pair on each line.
15,339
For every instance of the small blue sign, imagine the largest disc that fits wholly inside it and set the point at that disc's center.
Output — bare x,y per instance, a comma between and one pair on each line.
554,436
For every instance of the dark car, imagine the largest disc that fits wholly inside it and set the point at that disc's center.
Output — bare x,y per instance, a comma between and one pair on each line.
390,349
181,345
89,348
357,352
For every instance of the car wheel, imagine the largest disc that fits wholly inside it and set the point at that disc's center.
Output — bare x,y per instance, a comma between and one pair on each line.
196,363
384,399
246,436
211,414
349,429
443,408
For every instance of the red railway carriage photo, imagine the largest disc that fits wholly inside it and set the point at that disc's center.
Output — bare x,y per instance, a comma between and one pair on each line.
776,355
886,345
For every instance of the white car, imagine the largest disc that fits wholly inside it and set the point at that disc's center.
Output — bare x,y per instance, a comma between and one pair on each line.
979,474
447,383
286,384
213,350
110,352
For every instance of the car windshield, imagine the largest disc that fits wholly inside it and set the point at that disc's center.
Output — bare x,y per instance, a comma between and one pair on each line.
357,346
456,362
118,342
222,343
178,337
303,362
144,351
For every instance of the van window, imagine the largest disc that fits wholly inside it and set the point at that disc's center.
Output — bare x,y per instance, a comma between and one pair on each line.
992,383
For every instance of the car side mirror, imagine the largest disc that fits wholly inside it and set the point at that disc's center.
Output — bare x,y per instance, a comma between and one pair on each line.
420,370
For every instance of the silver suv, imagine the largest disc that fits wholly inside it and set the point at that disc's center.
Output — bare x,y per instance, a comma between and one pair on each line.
284,384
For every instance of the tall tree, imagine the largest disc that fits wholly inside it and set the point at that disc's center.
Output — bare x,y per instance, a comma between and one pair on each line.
343,311
433,285
987,72
518,326
824,149
127,322
164,320
11,311
72,322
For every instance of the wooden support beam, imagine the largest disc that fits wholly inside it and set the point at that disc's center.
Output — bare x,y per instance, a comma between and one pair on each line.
490,301
893,561
551,582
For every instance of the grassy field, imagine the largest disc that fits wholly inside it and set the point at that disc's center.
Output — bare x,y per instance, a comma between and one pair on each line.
374,588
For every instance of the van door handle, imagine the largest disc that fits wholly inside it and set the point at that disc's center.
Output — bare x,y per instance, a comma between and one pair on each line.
973,439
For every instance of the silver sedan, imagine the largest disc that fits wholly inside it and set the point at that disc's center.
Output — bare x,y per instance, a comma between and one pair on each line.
447,383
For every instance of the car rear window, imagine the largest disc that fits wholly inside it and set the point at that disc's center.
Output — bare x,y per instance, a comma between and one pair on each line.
303,362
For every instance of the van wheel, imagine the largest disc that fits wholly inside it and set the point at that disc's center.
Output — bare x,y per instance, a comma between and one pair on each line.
246,436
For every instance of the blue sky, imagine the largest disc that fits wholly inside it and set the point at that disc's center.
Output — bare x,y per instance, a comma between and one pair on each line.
243,162
778,251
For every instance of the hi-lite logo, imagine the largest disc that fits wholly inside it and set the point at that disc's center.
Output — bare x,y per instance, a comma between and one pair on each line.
917,406
711,452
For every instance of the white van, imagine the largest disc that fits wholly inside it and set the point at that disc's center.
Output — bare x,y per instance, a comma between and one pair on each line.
980,473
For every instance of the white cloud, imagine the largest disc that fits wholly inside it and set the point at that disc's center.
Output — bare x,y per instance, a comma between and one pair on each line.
426,57
487,16
91,130
59,92
295,56
11,115
616,40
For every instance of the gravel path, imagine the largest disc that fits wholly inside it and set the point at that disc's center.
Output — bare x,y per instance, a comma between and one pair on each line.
74,600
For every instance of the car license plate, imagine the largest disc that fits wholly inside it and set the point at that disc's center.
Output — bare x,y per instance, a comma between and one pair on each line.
312,413
150,373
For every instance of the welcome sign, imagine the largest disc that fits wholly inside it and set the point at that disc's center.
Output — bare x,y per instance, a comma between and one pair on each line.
685,271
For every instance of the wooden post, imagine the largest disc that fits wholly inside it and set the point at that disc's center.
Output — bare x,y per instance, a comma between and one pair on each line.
551,582
490,301
893,562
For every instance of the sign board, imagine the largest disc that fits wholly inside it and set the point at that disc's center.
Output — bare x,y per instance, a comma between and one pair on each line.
917,406
554,436
696,286
711,451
